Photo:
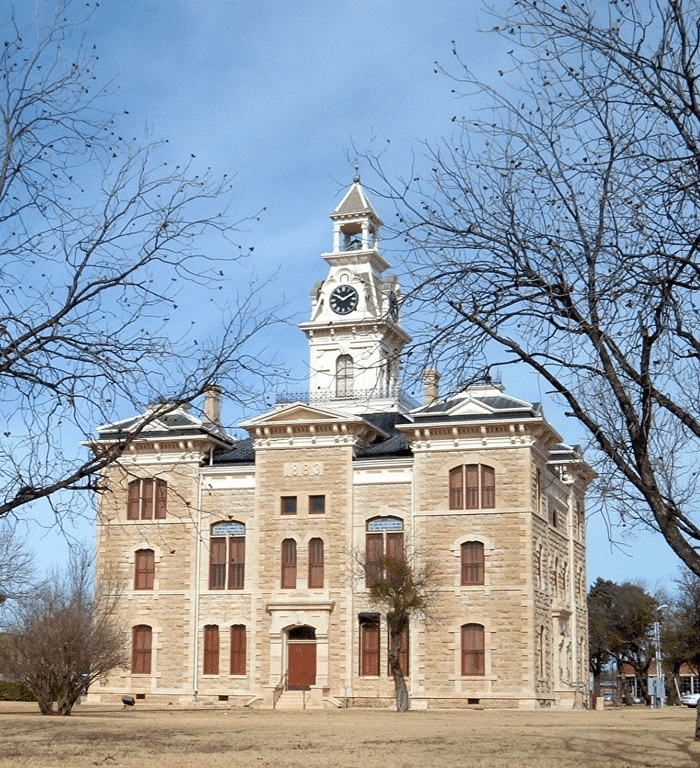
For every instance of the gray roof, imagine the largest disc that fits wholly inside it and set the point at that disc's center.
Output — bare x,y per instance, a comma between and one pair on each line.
495,407
178,422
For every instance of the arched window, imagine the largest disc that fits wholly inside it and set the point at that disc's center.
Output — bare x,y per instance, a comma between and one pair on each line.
472,650
472,486
384,540
141,650
238,650
472,563
146,496
316,564
289,564
227,554
211,650
144,569
344,376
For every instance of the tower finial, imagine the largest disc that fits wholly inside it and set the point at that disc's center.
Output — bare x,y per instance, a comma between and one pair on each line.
357,174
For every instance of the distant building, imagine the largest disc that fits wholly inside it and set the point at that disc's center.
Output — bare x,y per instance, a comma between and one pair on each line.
238,556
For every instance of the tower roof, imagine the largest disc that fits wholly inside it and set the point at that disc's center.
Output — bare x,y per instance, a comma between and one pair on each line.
355,203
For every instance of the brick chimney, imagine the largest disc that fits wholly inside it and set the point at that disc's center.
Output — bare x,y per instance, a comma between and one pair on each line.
431,382
212,405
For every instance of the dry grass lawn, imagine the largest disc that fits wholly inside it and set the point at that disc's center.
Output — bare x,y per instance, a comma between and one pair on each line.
356,737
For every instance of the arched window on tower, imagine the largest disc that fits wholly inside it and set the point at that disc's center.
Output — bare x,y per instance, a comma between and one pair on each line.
344,376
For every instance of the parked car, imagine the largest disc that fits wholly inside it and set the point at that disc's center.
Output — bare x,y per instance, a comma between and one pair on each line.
690,699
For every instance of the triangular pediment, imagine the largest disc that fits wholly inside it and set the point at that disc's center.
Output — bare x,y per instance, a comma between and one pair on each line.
299,419
470,406
299,413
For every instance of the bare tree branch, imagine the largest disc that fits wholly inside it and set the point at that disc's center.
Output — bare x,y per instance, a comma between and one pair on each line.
559,229
101,237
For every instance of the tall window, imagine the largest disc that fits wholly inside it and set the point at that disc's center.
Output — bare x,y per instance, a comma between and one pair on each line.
227,556
145,497
316,564
141,650
344,376
238,649
472,486
369,646
211,650
384,540
472,650
144,569
289,564
472,563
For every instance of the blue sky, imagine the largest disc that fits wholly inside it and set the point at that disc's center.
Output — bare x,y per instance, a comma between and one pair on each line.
279,94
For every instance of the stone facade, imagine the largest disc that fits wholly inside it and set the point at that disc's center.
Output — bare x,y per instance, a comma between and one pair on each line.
242,560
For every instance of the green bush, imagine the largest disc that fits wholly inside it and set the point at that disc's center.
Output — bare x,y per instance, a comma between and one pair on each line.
14,692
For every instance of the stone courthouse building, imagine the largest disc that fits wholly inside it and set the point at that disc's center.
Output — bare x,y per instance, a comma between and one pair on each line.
239,557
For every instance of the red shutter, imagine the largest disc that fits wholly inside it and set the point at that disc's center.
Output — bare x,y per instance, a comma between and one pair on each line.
471,472
472,563
374,555
133,500
472,649
236,572
161,499
394,546
211,650
217,563
289,564
369,649
316,564
238,650
146,499
145,569
141,655
457,488
488,488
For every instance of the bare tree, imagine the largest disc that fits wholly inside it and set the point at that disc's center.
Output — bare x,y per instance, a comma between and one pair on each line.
558,228
64,636
15,565
400,587
101,236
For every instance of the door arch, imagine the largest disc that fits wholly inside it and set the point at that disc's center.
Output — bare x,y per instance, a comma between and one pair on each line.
301,657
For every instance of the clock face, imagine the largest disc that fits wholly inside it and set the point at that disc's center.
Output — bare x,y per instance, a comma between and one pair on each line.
343,299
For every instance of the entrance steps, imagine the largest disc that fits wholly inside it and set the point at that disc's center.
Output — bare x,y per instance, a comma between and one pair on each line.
299,700
292,700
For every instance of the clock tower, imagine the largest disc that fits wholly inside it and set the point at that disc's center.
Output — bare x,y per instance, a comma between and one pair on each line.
355,338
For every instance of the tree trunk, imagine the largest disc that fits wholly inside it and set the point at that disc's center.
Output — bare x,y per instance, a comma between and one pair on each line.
400,690
397,624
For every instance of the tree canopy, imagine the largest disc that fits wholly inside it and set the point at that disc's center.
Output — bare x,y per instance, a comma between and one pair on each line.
557,228
102,235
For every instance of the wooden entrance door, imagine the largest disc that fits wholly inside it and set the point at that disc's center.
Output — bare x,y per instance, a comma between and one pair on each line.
301,671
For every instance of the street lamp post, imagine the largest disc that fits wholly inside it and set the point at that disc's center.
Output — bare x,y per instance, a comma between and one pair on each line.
658,700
